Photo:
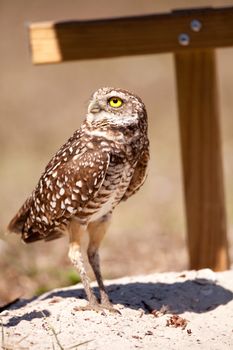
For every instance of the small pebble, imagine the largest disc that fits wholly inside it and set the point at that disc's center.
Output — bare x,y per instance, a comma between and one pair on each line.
205,276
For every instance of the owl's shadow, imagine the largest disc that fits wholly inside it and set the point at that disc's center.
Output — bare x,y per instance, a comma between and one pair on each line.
176,297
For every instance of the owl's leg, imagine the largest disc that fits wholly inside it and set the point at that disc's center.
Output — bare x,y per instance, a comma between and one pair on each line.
97,230
75,233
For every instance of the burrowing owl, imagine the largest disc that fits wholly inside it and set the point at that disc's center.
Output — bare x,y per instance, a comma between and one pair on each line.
102,164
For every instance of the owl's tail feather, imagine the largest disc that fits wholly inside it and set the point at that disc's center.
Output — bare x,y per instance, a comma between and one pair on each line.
33,236
16,225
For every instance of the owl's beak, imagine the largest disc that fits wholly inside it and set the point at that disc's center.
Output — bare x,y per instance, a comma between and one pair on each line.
94,107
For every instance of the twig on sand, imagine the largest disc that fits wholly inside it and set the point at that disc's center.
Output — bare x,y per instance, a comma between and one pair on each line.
2,334
61,347
8,346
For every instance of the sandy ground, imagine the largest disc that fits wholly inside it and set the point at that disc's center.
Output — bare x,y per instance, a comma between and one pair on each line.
193,309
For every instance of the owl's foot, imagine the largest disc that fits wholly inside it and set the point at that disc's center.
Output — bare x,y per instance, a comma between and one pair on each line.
109,307
91,307
106,303
101,308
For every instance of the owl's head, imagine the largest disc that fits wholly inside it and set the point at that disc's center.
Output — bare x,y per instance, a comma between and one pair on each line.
115,107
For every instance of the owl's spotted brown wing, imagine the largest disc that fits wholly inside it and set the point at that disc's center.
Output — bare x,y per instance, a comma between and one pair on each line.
139,175
62,192
17,223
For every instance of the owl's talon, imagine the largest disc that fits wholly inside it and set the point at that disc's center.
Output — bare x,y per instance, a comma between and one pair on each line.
102,308
91,307
107,305
110,308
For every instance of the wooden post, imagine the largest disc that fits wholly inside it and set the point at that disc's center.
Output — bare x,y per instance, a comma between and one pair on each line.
202,160
53,42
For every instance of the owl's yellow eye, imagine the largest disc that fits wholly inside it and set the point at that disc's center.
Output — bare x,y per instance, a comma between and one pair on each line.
115,102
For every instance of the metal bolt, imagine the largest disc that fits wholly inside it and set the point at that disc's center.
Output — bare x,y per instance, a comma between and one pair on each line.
184,39
195,25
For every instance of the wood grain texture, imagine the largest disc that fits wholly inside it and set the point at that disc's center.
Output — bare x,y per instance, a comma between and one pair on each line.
202,160
74,40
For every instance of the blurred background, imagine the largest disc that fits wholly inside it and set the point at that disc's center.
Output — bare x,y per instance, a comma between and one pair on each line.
41,106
